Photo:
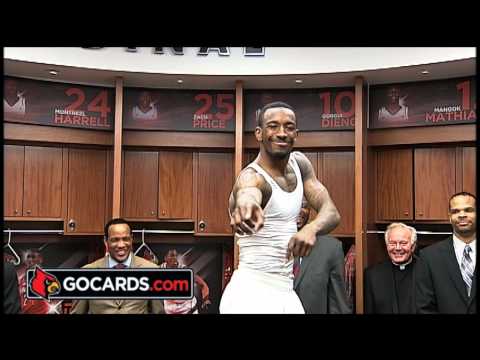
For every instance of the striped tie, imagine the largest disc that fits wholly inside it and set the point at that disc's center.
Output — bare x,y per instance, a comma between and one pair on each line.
467,268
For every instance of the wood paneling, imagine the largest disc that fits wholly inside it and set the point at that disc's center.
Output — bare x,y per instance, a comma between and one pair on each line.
339,179
178,139
422,135
376,249
86,191
469,166
434,182
109,186
394,179
52,134
320,174
175,185
238,127
312,139
195,190
140,185
14,160
371,186
313,157
65,152
215,181
249,156
42,189
240,160
360,189
117,150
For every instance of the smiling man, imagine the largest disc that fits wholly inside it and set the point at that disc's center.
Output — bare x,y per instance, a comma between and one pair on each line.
145,108
118,242
264,205
390,286
447,274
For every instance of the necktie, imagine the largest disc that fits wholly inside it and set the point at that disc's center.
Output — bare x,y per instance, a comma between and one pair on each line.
467,268
120,266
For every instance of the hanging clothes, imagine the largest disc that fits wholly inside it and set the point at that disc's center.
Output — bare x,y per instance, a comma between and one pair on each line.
350,273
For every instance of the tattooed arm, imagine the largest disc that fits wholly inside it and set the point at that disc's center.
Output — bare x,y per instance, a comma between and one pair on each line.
317,196
245,203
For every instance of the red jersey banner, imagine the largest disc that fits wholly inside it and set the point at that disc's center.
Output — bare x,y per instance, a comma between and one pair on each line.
315,109
58,104
179,110
439,102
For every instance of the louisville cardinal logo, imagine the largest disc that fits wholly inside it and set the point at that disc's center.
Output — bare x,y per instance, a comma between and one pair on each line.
44,284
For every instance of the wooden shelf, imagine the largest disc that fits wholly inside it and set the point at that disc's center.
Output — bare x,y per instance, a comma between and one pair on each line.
52,134
212,235
423,222
176,139
312,139
21,218
84,234
422,135
158,220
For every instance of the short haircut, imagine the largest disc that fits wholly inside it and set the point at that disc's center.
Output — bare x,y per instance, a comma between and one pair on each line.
395,225
115,222
461,193
272,105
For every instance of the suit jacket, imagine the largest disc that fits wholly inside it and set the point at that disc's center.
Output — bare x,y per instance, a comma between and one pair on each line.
379,288
110,306
440,286
320,283
11,296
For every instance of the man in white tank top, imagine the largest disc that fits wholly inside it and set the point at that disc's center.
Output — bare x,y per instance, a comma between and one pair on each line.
13,100
396,109
264,205
145,109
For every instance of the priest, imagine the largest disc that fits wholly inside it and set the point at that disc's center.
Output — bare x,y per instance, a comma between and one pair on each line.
390,286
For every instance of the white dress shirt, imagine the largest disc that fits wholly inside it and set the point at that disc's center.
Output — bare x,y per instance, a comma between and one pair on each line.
112,262
459,247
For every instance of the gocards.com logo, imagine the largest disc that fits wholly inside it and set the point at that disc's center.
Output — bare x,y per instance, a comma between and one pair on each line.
44,284
129,283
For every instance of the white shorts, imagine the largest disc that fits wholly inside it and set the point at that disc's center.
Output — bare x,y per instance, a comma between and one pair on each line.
254,292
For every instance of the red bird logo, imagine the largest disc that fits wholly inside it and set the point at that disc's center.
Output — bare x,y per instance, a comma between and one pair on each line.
44,284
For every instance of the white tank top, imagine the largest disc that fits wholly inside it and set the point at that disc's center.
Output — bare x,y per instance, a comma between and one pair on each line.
401,114
149,115
266,250
17,108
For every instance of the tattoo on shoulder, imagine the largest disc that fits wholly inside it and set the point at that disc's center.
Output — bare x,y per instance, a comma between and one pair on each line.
247,178
251,178
306,167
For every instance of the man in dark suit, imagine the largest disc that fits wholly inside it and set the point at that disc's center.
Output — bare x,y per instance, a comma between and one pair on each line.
446,281
390,285
11,297
320,282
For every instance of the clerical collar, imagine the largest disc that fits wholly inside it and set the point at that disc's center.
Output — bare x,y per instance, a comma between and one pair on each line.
403,265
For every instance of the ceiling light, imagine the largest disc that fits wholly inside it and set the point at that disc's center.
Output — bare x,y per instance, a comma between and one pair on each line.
299,81
179,81
53,72
425,72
